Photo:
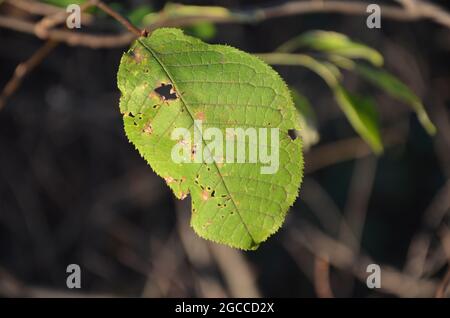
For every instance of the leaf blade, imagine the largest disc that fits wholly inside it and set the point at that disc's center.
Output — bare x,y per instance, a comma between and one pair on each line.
333,43
234,203
395,88
361,113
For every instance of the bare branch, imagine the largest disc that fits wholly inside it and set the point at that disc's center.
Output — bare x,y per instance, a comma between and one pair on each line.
114,14
23,69
348,149
423,10
342,257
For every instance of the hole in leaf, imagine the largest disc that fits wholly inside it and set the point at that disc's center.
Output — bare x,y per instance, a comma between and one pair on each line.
213,194
292,134
166,92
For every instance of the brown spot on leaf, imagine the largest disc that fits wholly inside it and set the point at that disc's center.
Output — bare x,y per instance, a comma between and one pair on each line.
200,116
183,195
136,55
148,128
208,223
169,179
153,94
205,195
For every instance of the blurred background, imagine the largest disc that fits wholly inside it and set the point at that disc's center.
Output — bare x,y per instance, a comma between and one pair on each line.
74,190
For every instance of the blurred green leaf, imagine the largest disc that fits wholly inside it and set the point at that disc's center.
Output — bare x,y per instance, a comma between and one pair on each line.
327,71
181,10
175,11
362,115
137,15
63,3
308,120
203,30
360,112
395,88
333,43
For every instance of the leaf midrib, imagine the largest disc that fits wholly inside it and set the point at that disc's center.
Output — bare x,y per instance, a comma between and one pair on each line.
169,75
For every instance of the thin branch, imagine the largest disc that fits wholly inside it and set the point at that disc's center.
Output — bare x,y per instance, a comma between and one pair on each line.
43,28
34,7
115,15
442,288
342,257
360,190
348,149
48,22
322,277
425,11
23,69
440,292
236,271
199,255
420,244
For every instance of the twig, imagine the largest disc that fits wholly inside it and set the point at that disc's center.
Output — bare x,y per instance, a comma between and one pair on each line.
23,69
34,7
440,292
358,198
198,254
427,11
322,277
359,192
70,37
432,218
347,149
237,273
445,238
423,10
342,257
127,24
43,28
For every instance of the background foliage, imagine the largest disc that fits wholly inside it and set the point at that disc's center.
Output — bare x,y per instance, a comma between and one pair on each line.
72,190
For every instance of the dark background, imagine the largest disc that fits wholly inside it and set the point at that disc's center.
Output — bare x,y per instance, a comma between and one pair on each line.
74,190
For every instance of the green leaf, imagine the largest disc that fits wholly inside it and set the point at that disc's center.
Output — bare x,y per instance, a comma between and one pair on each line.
308,120
138,14
362,115
359,111
63,3
327,71
232,203
395,88
202,30
333,43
